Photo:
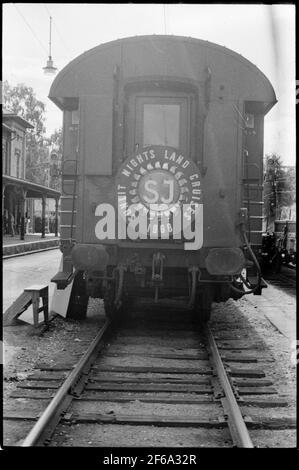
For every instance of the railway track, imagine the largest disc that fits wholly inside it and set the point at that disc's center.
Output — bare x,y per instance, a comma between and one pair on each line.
286,279
156,378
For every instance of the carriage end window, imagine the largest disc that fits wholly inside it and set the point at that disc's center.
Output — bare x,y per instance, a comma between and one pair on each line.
159,120
161,124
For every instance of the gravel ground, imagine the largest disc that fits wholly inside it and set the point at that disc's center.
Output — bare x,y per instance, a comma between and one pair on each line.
64,341
283,368
145,436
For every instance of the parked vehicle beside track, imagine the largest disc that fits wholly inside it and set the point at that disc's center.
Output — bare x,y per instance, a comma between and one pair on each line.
279,247
162,173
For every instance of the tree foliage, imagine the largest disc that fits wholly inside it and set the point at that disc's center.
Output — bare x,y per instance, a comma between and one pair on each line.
55,145
21,99
279,187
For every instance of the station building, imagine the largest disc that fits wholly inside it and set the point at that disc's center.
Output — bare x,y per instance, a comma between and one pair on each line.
20,196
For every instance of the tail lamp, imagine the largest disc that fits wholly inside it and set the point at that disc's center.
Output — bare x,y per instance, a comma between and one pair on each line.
88,257
225,261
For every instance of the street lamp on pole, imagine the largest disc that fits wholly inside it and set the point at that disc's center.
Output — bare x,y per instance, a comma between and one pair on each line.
50,69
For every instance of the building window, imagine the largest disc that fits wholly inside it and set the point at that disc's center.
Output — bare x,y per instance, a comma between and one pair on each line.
75,117
6,156
18,158
249,121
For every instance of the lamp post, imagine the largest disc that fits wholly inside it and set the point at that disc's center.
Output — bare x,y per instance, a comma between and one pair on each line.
50,69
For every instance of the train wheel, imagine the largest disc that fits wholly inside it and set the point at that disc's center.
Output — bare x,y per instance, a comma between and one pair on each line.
276,264
116,313
116,300
112,310
203,307
109,302
77,309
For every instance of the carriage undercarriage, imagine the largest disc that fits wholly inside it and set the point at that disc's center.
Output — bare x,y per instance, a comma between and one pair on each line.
120,286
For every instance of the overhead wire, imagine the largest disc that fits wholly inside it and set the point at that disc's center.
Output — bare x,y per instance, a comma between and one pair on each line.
26,22
57,30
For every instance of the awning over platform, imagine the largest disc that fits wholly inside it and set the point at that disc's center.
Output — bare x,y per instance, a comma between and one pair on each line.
34,190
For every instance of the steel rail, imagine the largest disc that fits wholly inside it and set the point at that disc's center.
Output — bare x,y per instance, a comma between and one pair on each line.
63,392
285,278
236,422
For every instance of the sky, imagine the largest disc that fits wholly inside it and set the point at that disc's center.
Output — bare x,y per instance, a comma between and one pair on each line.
264,34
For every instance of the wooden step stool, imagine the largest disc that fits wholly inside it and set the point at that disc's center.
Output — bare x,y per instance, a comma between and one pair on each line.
38,292
31,295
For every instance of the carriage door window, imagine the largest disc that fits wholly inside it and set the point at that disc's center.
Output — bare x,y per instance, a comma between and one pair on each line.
161,121
161,124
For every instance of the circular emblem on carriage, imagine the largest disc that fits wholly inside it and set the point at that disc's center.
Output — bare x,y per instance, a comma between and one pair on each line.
159,182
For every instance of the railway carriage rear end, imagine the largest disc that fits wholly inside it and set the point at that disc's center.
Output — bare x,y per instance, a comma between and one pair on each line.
162,173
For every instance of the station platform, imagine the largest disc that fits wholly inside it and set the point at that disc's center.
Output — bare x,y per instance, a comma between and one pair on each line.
13,246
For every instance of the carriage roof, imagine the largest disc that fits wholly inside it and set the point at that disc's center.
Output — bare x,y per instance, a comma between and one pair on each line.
77,75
